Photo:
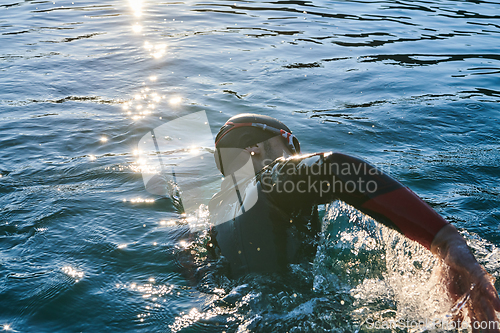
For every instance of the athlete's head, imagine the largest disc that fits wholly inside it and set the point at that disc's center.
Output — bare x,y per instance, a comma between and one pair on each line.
262,137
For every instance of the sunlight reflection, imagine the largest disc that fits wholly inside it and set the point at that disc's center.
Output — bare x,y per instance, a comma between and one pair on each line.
141,200
194,150
157,51
152,294
191,219
142,165
142,104
155,97
137,27
136,6
70,271
175,100
186,320
168,223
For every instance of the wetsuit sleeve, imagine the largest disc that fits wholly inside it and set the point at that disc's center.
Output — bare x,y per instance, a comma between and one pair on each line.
303,181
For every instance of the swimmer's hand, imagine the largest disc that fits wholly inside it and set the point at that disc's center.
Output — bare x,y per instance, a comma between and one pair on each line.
467,276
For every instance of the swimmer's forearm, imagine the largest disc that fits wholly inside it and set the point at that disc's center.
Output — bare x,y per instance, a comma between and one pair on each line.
452,248
408,213
449,241
386,200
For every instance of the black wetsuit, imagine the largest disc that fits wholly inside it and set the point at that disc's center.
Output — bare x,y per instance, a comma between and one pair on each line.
266,222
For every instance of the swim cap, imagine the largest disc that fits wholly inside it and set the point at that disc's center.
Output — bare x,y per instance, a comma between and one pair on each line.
247,129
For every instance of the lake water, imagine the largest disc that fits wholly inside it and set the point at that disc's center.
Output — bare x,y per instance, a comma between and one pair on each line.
411,86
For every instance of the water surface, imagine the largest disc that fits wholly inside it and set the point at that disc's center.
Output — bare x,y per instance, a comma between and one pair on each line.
411,86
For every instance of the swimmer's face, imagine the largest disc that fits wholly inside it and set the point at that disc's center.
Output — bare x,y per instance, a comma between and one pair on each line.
262,154
274,148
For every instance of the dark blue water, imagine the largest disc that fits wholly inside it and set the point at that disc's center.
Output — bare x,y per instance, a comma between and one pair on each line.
411,86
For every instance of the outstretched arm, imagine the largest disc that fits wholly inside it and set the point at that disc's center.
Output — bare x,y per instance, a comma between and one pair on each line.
418,221
378,195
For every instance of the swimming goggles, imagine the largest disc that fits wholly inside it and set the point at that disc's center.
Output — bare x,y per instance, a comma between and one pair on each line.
291,140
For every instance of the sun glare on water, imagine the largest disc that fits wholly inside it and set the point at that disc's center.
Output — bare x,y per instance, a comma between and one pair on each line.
136,6
175,100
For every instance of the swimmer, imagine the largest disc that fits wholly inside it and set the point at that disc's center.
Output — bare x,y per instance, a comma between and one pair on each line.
265,219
